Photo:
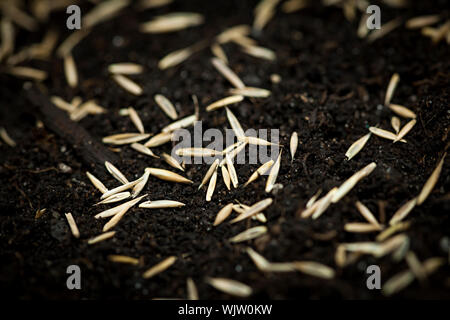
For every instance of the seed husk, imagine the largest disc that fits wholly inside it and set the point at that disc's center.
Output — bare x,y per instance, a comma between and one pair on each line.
383,133
126,68
159,139
113,211
395,123
352,181
172,161
96,182
360,227
166,106
400,226
365,212
168,175
8,36
88,107
102,237
226,177
115,198
19,17
391,88
161,204
211,186
140,185
231,171
314,269
225,102
403,211
422,21
123,259
27,72
402,111
255,141
103,11
261,263
143,149
125,138
197,152
324,203
249,234
182,123
62,104
223,214
415,266
260,171
357,146
227,73
217,50
121,188
233,32
72,225
136,119
209,173
251,92
160,267
406,128
273,174
176,57
192,292
6,138
128,84
260,52
313,199
115,219
231,287
70,71
264,12
172,22
234,152
234,123
293,145
119,176
253,210
431,182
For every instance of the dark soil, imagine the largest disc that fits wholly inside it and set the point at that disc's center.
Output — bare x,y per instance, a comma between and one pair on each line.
319,56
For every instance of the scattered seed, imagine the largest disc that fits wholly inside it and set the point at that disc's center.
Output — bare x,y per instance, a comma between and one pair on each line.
273,174
151,4
217,50
293,144
70,71
406,128
136,119
72,225
172,161
182,123
365,212
422,21
71,41
140,185
261,263
314,269
383,133
357,146
400,226
403,211
39,213
211,186
126,138
115,173
233,32
352,181
234,152
6,138
7,36
231,171
96,182
160,267
260,52
391,88
253,210
191,289
313,199
431,182
251,92
384,30
88,107
255,141
143,149
402,111
260,171
121,188
395,123
197,152
264,12
123,259
115,198
62,104
159,139
27,72
125,68
224,102
223,214
360,227
226,177
103,11
324,203
113,211
19,17
234,123
231,287
172,22
415,266
209,173
227,73
176,57
128,84
115,219
249,234
166,106
161,204
168,175
102,237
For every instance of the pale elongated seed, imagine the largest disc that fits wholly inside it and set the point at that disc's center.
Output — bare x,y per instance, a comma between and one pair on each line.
234,123
197,152
209,173
27,72
125,138
172,161
260,52
115,219
402,111
103,11
123,259
273,174
223,214
226,177
6,138
264,12
395,123
96,182
260,171
240,208
313,199
232,171
233,153
70,70
143,149
113,211
168,175
182,123
251,92
140,185
211,186
365,212
352,181
166,106
102,237
400,226
357,146
293,144
231,287
406,128
72,225
125,68
422,21
159,139
255,141
62,104
191,289
415,266
431,182
88,107
160,267
360,227
314,269
225,102
383,133
217,50
391,88
249,234
261,263
161,204
115,198
172,22
119,176
121,188
128,84
324,203
227,73
233,32
253,210
174,58
136,119
403,211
